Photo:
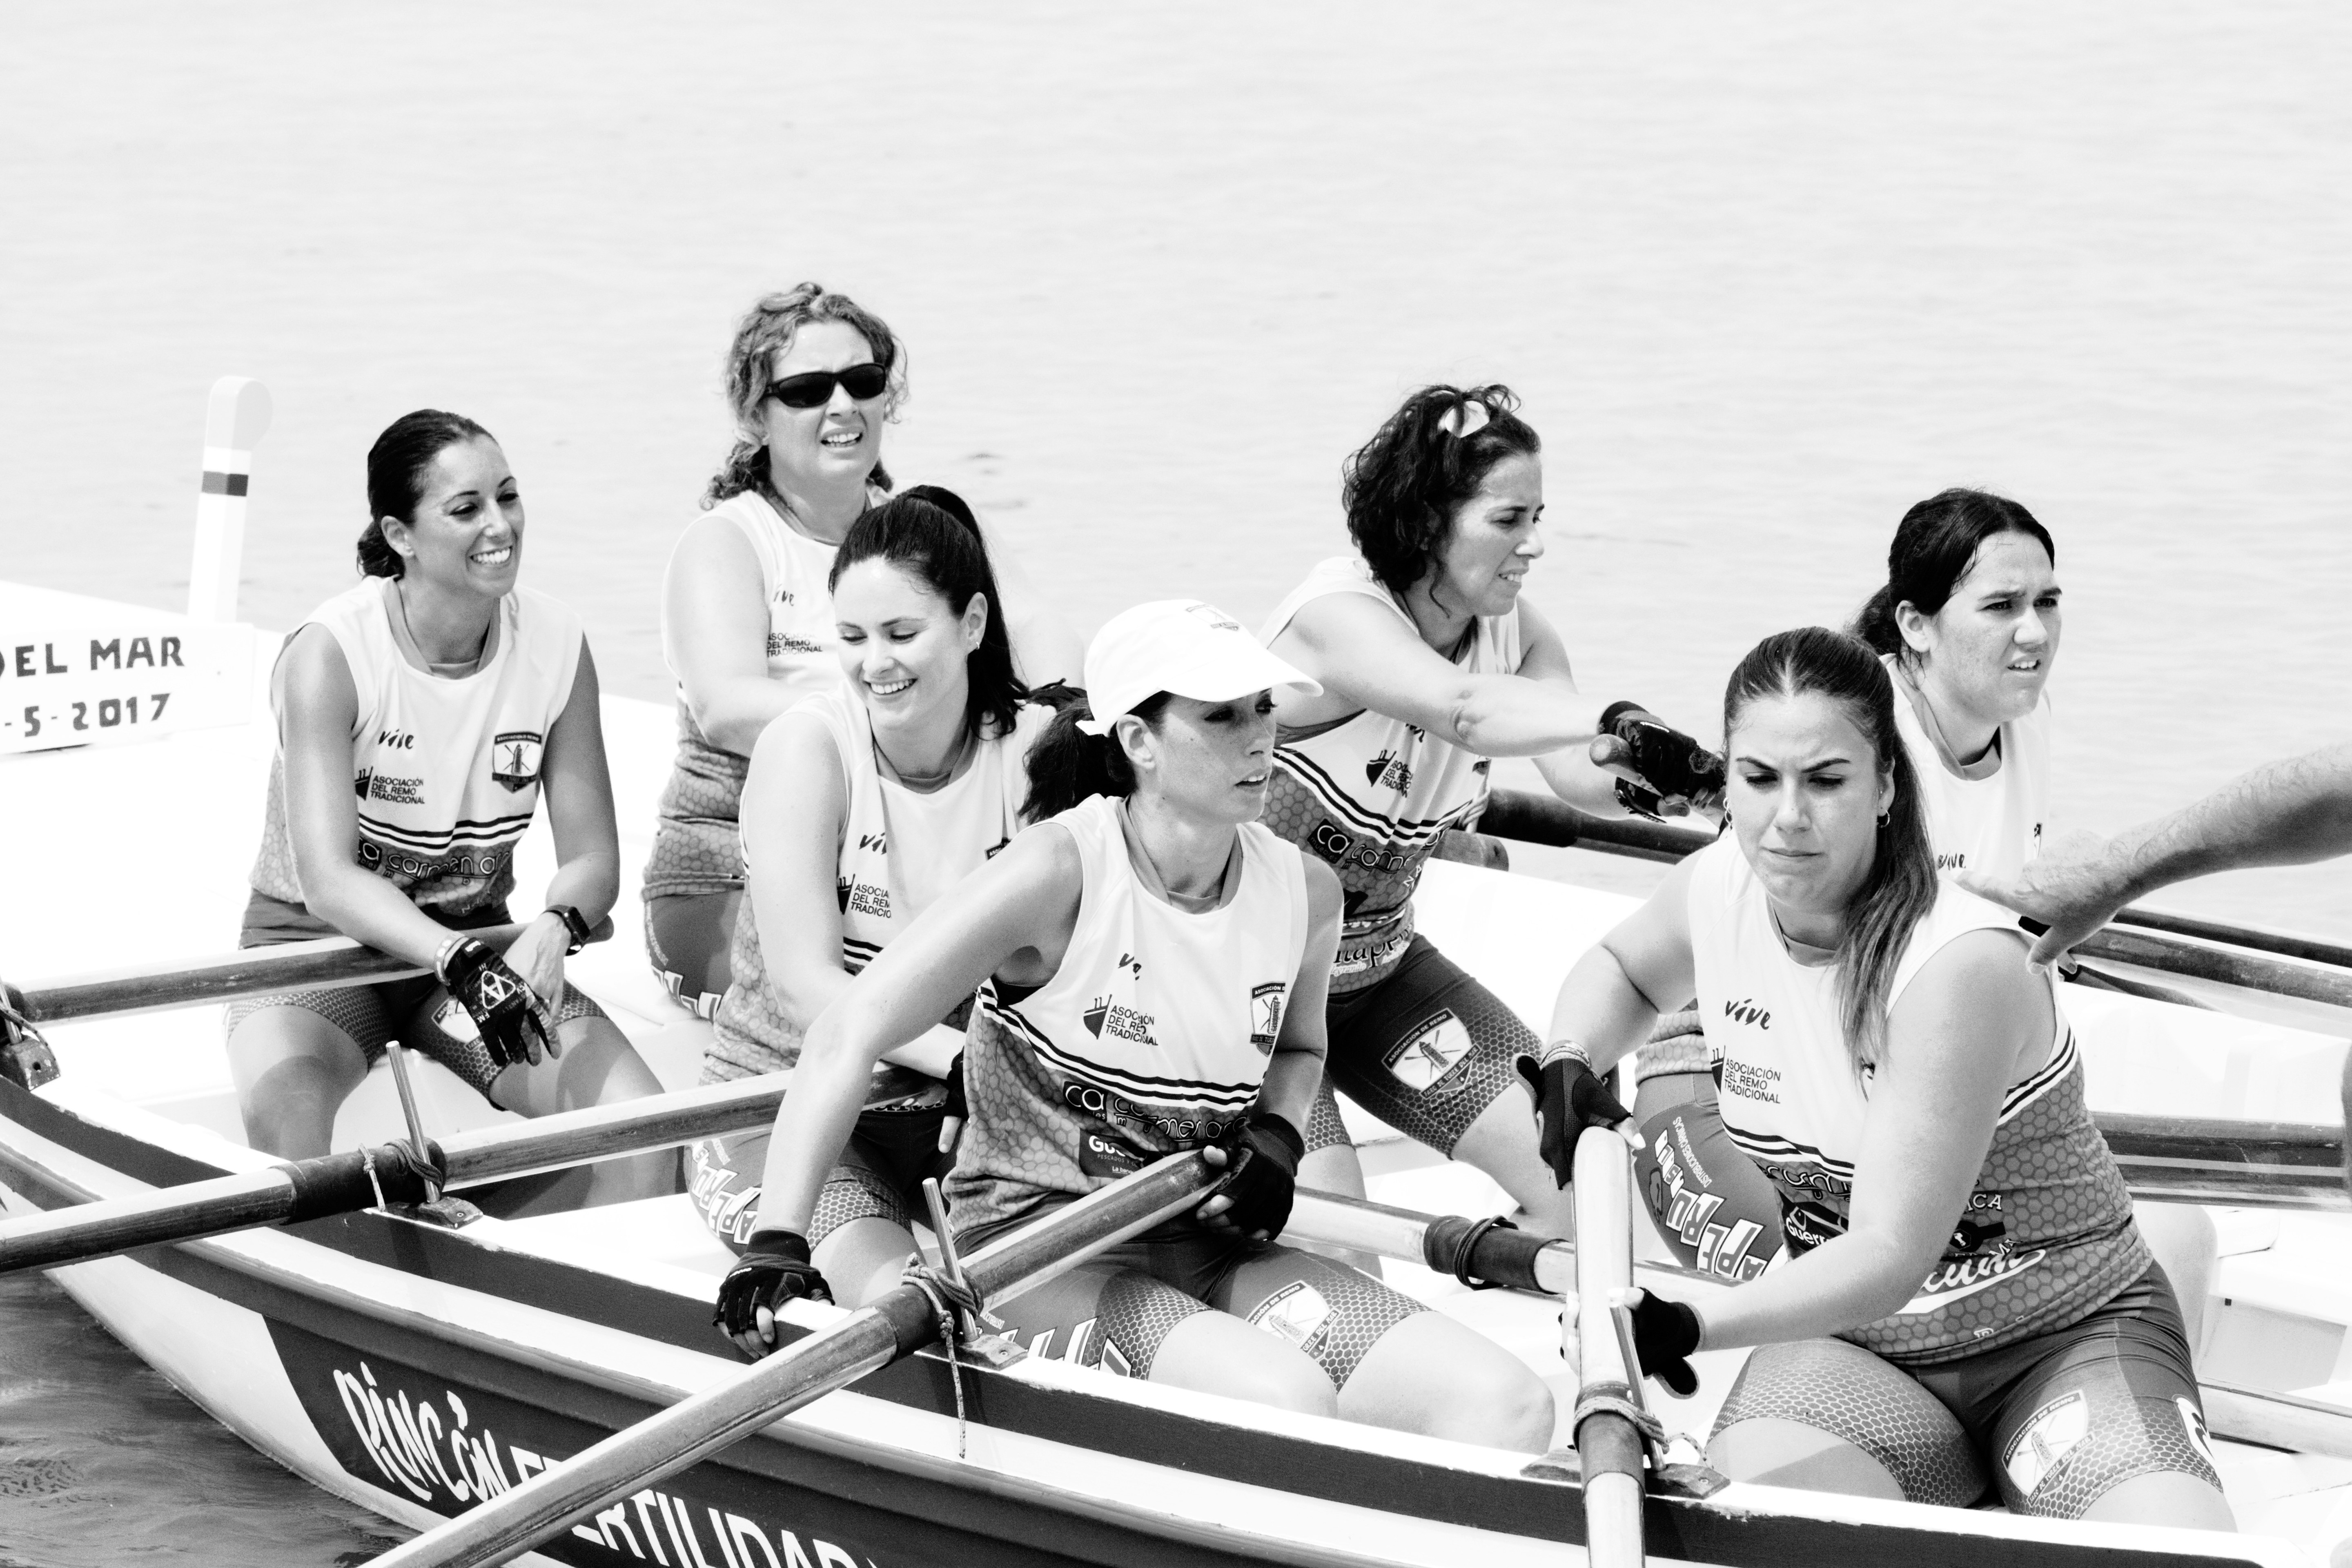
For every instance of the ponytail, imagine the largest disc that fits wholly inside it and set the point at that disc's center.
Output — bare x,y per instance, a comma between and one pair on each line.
1067,764
396,479
932,536
1935,546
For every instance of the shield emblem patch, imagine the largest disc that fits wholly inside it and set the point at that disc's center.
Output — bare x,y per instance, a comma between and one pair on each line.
514,759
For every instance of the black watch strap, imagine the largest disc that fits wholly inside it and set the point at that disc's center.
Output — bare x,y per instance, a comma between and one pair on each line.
574,923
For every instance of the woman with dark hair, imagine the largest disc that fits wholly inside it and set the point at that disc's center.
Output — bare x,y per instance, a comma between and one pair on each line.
420,715
1151,964
812,378
1431,664
861,807
1888,1063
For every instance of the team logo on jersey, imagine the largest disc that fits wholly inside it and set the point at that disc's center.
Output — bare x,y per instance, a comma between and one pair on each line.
1118,1021
1746,1011
1808,1224
360,781
1389,771
863,897
514,758
1100,1157
1265,1016
1434,1061
1297,1314
2049,1435
395,791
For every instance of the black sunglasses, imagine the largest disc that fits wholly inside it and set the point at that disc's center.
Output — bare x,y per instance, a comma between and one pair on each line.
814,389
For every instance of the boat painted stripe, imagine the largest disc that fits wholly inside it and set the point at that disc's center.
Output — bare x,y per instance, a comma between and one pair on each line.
217,483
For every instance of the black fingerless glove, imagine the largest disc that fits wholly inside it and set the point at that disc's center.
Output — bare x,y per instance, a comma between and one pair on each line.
1665,1334
514,1023
776,1269
1266,1151
1569,1098
1669,762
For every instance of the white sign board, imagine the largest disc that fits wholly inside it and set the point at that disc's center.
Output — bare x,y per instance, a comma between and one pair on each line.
129,677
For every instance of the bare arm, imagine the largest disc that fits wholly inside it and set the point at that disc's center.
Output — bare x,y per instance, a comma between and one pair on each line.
1295,1069
715,630
319,705
1954,1045
1639,970
1027,898
2284,813
1366,657
577,784
793,808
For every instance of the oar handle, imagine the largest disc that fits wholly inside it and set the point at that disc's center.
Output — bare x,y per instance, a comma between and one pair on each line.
750,1397
1608,1446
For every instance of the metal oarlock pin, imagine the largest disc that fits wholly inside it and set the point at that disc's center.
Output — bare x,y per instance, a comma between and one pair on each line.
416,1143
950,1263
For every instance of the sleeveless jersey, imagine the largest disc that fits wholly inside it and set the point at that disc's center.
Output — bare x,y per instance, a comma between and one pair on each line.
1151,1037
447,772
695,850
1993,822
1370,794
900,850
2046,1235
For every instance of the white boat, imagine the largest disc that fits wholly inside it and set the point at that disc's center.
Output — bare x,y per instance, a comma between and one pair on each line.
415,1369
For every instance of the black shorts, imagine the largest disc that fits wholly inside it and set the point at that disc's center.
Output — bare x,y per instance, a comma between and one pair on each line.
1426,1048
881,1176
1715,1210
1116,1310
2054,1421
689,938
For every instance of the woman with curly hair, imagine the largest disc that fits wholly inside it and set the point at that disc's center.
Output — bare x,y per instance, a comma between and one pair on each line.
1430,665
747,622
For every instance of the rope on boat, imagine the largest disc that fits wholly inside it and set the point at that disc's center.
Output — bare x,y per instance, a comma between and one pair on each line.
1616,1399
960,1314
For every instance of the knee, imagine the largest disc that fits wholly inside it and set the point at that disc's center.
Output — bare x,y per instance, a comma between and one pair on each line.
1293,1381
1496,1402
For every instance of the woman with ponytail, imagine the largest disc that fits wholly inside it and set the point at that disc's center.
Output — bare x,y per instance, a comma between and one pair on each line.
1151,964
861,806
422,715
813,377
1968,1304
1431,663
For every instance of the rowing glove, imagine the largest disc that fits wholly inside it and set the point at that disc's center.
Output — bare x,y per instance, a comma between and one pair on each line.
1669,762
514,1023
774,1270
1569,1098
1665,1334
1264,1151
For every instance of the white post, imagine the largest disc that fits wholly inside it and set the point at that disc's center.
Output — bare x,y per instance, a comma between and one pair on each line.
236,419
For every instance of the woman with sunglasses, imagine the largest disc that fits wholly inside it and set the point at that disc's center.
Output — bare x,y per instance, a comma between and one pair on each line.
1430,664
813,377
1966,1307
1153,963
421,716
862,808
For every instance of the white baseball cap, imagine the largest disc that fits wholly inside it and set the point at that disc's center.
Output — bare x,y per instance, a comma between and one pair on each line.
1179,646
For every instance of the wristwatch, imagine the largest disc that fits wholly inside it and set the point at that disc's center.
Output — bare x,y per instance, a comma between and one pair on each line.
574,923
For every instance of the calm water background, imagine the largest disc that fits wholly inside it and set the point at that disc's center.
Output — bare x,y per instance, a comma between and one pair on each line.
1762,279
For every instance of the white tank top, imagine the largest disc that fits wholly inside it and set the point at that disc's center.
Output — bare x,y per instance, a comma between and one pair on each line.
1152,1037
447,772
1993,822
1370,794
900,850
2046,1235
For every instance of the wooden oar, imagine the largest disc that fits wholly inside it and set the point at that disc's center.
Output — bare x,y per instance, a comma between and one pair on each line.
742,1402
1609,1446
1468,1249
359,1179
2151,944
323,964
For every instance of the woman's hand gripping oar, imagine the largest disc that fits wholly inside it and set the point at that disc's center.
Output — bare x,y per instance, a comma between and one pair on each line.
750,1397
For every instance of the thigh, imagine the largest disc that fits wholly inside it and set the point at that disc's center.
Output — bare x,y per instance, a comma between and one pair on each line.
597,1067
2114,1400
1333,1313
434,1023
1713,1208
1427,1049
296,1057
1832,1416
1105,1313
724,1176
687,937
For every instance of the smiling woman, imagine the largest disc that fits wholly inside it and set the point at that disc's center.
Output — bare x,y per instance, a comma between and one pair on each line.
420,716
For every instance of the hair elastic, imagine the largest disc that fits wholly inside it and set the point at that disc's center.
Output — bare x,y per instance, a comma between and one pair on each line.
1466,418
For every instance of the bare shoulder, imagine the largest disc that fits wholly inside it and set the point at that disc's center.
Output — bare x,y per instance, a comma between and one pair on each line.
1325,898
713,552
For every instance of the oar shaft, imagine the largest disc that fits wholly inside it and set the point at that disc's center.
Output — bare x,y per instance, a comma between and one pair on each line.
1497,1256
752,1396
1608,1446
323,964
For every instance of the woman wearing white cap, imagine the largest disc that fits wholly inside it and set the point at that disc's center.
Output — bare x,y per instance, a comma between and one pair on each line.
1154,965
1430,665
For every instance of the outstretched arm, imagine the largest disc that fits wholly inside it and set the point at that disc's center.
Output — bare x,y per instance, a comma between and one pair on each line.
2282,813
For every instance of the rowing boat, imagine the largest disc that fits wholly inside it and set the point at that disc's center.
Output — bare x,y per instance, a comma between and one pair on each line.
414,1369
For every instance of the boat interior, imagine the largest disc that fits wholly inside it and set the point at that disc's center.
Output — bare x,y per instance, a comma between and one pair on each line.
164,879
